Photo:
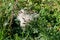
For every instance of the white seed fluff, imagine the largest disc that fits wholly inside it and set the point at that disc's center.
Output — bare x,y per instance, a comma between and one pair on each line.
24,18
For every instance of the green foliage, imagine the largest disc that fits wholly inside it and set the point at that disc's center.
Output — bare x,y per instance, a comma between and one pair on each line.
46,27
17,37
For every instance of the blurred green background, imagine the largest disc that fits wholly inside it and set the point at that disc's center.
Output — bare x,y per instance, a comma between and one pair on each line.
46,27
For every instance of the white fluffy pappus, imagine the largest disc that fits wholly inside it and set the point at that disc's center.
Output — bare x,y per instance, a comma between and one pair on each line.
24,18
